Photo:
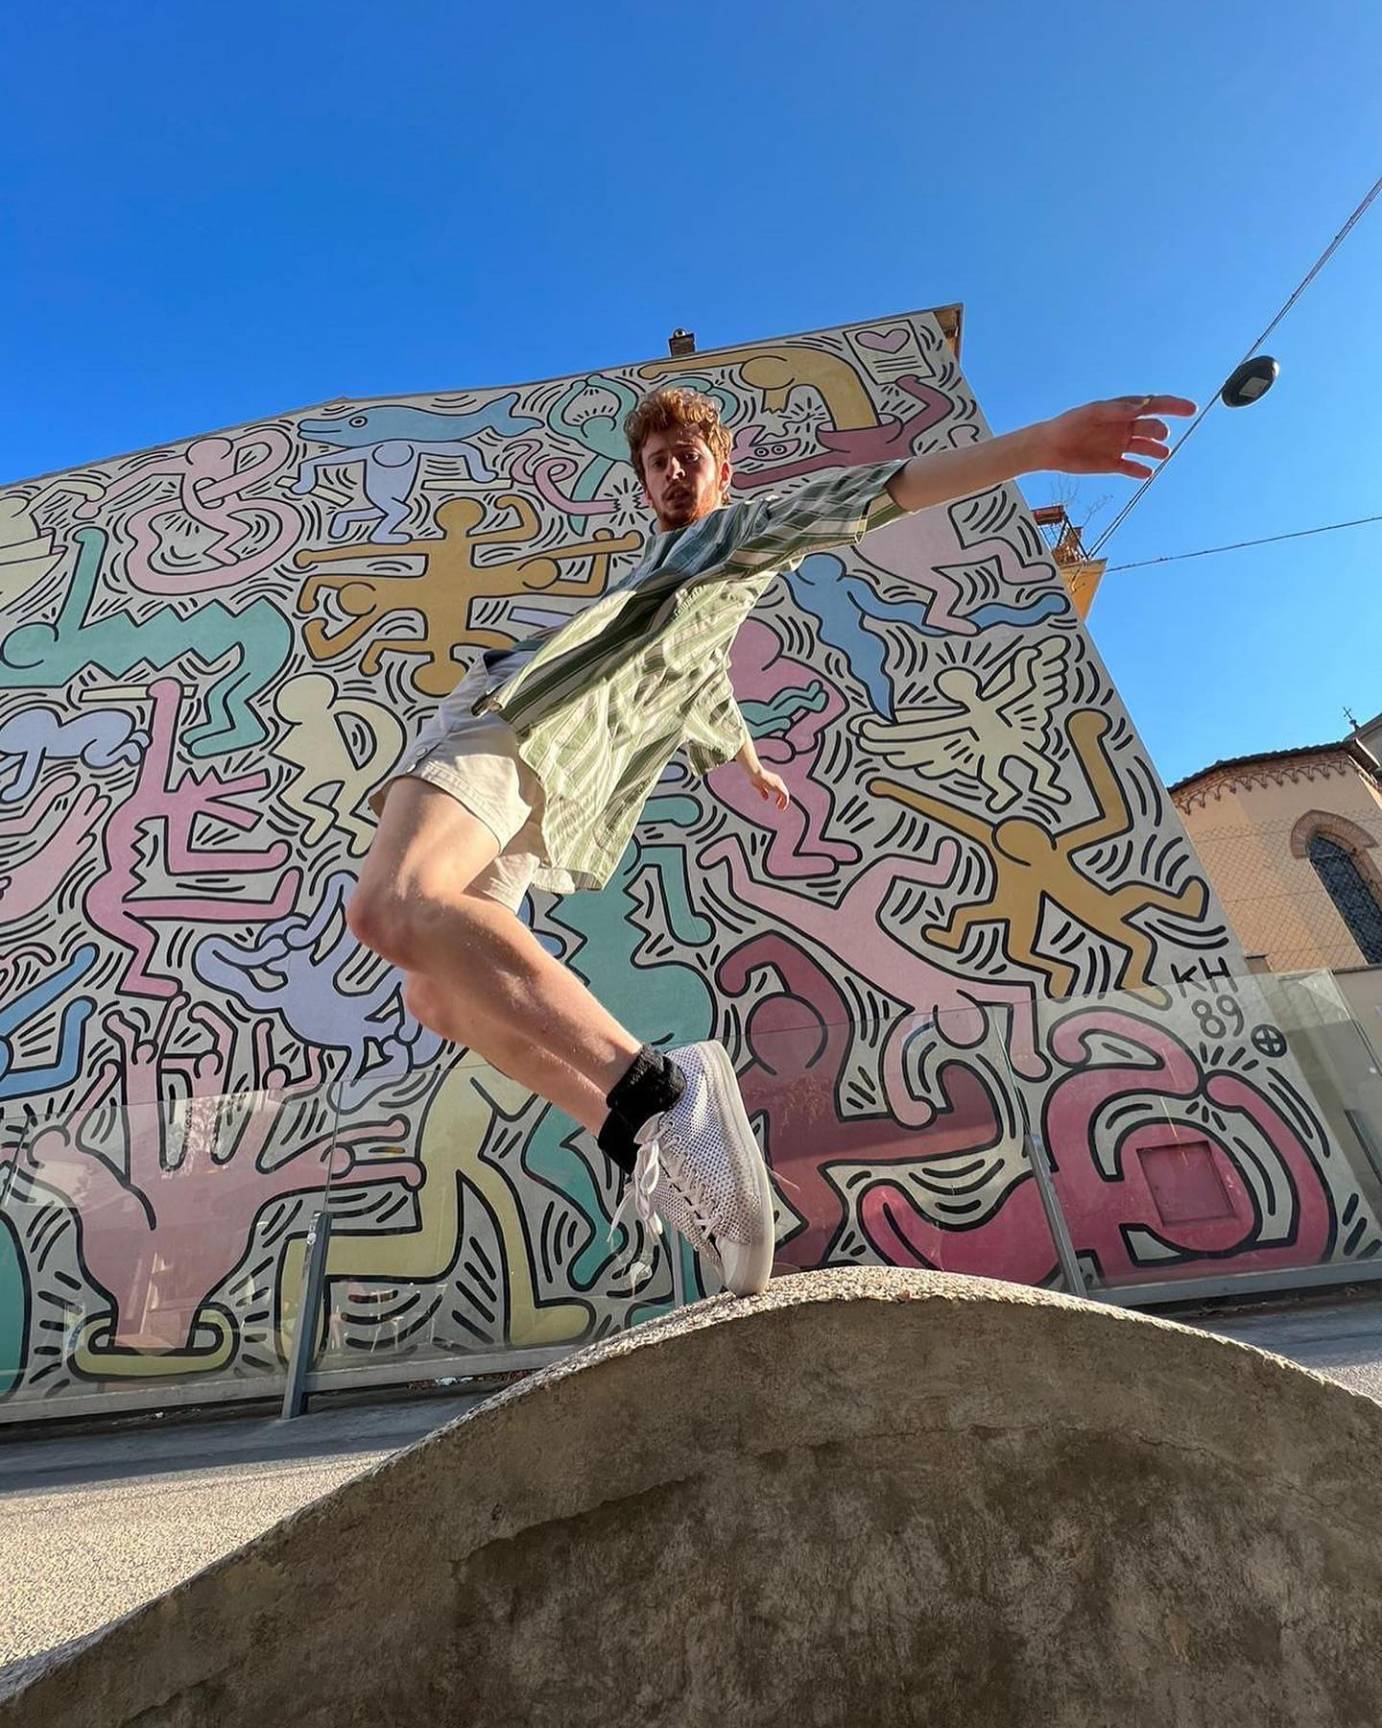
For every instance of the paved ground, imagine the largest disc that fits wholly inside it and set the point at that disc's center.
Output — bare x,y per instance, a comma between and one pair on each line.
92,1525
1342,1340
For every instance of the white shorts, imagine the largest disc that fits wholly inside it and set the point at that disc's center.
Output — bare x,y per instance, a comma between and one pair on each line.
475,758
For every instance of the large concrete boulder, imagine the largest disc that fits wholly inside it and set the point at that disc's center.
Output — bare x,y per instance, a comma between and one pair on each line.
868,1496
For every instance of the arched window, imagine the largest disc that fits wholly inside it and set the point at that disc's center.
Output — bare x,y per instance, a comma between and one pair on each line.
1351,893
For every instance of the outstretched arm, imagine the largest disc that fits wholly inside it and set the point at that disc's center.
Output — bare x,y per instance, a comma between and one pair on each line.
935,809
1100,438
1087,727
310,555
526,528
839,507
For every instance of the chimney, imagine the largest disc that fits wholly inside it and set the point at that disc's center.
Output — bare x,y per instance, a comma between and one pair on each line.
681,342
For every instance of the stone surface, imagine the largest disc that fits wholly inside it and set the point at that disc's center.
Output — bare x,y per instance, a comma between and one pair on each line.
866,1496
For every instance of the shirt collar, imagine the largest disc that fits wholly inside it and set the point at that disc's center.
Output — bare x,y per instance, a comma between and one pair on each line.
667,535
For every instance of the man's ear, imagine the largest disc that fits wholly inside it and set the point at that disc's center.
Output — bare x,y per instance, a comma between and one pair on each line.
726,480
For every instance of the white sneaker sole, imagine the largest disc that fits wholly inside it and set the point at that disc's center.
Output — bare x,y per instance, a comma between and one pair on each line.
746,1266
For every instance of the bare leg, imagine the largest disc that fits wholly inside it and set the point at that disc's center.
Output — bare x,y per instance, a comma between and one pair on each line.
520,1008
429,1002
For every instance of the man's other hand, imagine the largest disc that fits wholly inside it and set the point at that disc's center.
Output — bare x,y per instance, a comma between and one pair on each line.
769,785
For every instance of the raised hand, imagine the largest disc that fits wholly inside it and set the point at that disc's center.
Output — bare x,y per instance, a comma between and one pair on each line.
1104,437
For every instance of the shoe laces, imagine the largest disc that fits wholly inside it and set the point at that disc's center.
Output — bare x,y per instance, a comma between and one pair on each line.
647,1173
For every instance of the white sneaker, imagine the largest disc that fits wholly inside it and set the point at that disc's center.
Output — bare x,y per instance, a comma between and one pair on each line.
699,1166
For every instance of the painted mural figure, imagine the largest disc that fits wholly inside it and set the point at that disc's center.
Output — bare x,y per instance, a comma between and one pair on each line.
788,709
171,805
851,612
27,553
22,1013
37,735
537,766
27,885
452,579
145,1205
855,433
293,968
1221,1120
799,1042
388,442
329,782
589,411
891,964
986,727
211,482
41,655
1032,868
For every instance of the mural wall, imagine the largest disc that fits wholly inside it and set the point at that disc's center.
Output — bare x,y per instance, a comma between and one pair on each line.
979,912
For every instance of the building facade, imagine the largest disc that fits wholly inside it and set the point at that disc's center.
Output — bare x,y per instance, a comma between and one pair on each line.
979,922
1292,841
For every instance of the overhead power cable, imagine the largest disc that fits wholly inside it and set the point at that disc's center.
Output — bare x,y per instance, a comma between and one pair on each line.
1212,396
1237,545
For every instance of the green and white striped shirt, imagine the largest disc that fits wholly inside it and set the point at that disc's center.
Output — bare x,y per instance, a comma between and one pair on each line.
601,704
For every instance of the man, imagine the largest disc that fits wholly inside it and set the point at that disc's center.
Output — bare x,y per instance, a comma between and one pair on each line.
536,767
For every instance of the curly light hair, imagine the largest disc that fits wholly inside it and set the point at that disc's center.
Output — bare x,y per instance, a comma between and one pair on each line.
672,406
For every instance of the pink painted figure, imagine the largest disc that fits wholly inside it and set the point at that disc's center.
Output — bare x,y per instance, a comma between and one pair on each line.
799,1041
28,887
211,483
174,807
843,446
1104,1202
851,934
761,671
162,1226
546,474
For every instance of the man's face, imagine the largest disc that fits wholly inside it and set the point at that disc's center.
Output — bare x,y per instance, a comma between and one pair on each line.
681,477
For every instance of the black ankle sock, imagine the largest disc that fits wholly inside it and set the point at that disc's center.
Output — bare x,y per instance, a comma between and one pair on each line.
651,1084
617,1143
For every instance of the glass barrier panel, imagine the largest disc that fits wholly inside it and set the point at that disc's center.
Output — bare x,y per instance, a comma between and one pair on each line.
154,1252
476,1235
143,1245
895,1142
1217,1128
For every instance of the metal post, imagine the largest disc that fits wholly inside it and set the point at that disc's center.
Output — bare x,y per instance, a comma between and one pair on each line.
1055,1218
309,1312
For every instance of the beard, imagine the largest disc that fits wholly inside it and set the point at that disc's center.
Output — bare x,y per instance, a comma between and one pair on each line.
681,507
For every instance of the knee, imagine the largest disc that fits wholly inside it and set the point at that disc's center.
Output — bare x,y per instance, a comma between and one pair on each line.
405,929
384,923
423,1001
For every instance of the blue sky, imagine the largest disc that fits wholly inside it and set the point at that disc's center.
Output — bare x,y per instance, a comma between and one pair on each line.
214,214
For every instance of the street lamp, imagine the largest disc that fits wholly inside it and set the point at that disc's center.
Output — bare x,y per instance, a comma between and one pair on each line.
1247,382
